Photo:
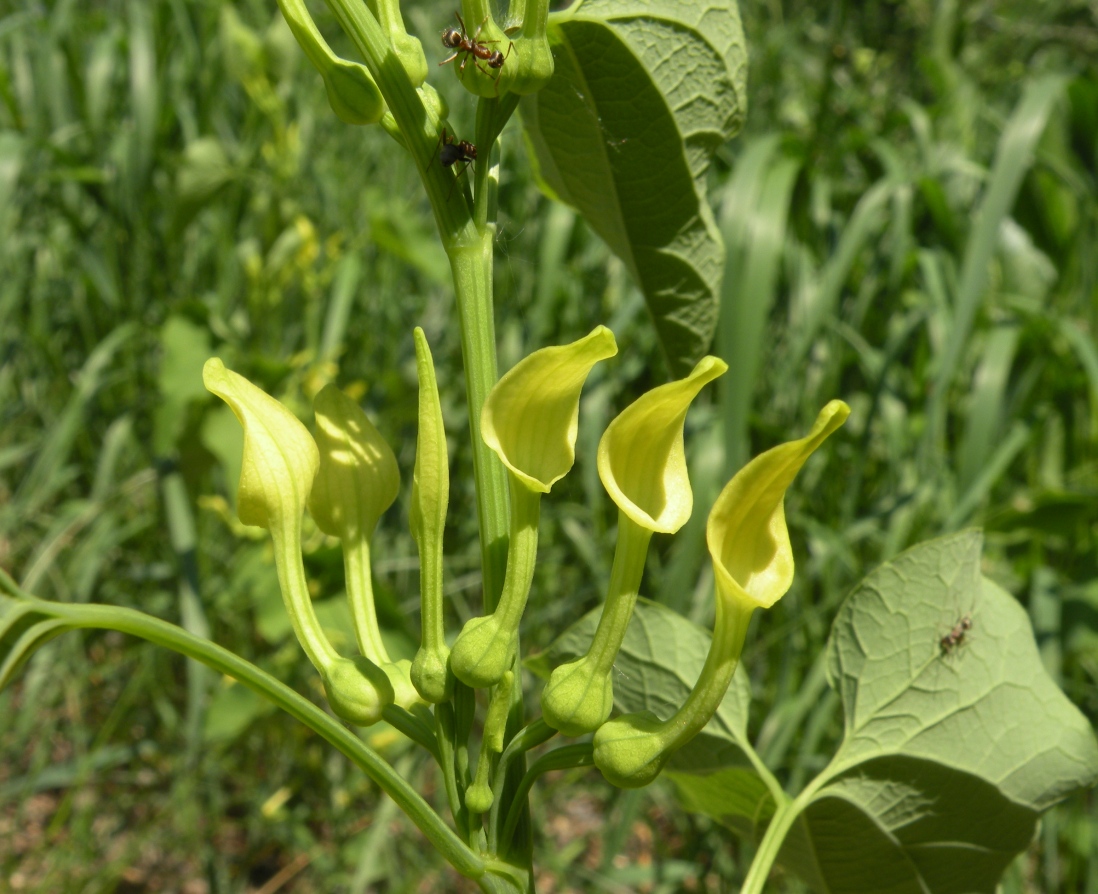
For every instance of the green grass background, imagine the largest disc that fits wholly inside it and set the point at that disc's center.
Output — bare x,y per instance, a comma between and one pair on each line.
912,222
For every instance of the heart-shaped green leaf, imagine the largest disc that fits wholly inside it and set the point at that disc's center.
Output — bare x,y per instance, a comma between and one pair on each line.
642,95
956,739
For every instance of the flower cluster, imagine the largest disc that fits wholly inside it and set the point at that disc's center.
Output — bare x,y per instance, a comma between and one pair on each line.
347,477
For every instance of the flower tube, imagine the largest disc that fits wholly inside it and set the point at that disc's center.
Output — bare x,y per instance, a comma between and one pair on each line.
530,420
279,466
642,464
753,568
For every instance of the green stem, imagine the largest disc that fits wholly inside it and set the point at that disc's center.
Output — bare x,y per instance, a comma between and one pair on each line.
125,620
455,792
471,265
534,17
536,733
415,729
578,755
771,844
474,13
418,128
625,577
360,596
295,592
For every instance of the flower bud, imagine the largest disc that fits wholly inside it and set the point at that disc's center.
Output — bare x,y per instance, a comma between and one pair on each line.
430,496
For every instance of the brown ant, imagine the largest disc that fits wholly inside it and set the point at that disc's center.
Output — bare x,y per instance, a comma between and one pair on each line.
460,42
451,150
956,636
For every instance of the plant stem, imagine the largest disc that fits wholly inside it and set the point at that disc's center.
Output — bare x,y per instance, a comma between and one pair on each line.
125,620
295,593
537,733
771,844
471,265
578,755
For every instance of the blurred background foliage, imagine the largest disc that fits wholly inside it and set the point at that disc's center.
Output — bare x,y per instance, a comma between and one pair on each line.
911,217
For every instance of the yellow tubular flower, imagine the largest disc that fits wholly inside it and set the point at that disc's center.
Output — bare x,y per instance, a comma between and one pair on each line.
280,464
530,420
753,568
642,463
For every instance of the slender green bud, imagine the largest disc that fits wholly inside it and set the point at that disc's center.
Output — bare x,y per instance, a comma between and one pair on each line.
352,93
753,568
530,420
430,497
495,724
642,463
279,465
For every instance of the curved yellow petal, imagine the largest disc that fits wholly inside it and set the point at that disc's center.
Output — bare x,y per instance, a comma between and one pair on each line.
280,457
642,461
532,414
747,536
358,478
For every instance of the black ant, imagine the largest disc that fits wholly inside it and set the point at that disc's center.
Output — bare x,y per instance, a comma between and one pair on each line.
452,150
956,636
460,42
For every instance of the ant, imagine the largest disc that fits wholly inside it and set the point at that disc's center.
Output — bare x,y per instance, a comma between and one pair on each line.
956,636
460,42
451,150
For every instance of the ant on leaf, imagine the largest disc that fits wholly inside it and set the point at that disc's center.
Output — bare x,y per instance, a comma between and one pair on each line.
956,636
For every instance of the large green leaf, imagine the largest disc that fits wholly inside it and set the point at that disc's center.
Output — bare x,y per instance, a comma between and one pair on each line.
643,93
952,747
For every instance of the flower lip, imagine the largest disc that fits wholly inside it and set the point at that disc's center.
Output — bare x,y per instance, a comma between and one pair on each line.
531,416
746,533
641,457
280,457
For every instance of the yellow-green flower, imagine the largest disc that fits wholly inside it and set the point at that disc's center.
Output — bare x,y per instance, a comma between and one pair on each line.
642,463
279,466
530,420
531,416
280,456
753,568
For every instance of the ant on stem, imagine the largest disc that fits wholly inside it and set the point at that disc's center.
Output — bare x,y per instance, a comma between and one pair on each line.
460,42
451,150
